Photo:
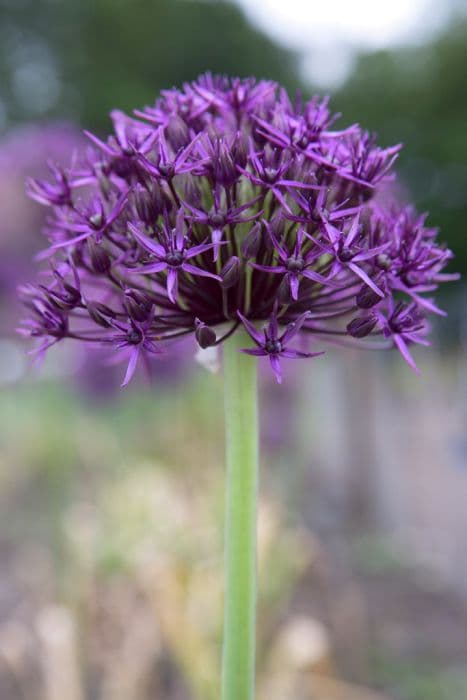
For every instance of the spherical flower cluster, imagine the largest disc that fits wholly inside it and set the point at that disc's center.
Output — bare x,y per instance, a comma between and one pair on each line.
227,205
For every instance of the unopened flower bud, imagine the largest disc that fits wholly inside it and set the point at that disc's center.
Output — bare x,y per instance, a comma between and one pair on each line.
100,259
230,273
224,166
100,313
277,226
362,326
138,304
367,297
177,132
240,149
192,193
149,204
251,242
284,293
205,336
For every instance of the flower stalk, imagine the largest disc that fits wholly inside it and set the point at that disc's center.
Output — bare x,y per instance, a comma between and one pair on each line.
241,421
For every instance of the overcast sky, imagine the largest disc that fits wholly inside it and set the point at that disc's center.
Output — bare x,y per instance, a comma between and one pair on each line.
329,33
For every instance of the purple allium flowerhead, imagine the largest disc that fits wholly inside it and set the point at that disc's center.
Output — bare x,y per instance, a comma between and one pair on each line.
227,205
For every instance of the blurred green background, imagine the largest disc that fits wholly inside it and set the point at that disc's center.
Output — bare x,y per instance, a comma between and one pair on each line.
111,502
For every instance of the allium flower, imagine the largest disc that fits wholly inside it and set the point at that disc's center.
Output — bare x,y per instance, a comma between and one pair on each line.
227,205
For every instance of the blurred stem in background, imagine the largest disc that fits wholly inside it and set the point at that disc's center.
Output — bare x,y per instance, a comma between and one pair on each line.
241,421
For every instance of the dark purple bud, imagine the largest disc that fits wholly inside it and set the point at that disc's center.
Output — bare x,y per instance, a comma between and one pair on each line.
66,298
367,297
105,185
240,149
205,336
177,132
230,273
362,326
100,259
284,293
225,171
138,304
251,242
192,193
100,313
149,204
277,226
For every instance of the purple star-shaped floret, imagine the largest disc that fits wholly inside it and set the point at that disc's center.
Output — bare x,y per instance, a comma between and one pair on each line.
405,325
294,265
136,340
347,253
271,344
268,174
218,217
172,256
91,221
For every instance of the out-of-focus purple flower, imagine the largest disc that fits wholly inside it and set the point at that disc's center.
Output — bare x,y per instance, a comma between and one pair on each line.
30,151
226,205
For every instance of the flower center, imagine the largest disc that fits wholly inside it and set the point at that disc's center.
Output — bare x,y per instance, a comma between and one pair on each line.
134,337
217,219
96,220
346,254
167,170
174,259
270,174
273,347
295,263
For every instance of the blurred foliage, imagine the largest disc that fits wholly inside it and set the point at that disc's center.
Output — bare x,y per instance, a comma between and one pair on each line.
418,96
422,679
83,57
127,540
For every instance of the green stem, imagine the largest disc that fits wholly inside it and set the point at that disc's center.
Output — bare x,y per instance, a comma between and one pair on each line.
241,420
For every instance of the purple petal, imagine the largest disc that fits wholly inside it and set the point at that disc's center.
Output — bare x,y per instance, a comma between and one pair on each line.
216,237
179,229
276,367
117,208
150,269
146,242
100,144
404,351
363,276
172,285
257,352
280,197
253,332
198,249
297,183
71,241
293,328
130,370
283,253
293,284
191,269
354,229
316,277
298,354
268,268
